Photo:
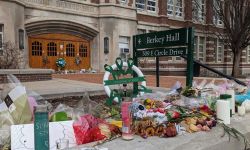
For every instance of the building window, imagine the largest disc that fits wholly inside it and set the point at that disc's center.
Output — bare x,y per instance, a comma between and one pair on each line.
83,51
124,47
248,54
123,1
170,7
175,8
36,48
21,38
106,45
219,50
140,4
199,48
51,49
70,50
1,39
141,31
217,18
150,5
198,10
195,47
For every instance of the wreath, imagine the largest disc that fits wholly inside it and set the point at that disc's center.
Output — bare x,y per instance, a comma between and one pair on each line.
78,61
60,62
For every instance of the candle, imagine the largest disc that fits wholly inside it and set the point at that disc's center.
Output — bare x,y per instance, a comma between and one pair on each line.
241,110
126,121
223,111
232,100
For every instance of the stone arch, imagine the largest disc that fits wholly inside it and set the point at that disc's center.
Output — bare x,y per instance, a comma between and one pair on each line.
37,27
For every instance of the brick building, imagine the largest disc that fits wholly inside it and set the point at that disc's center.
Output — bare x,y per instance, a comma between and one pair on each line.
97,31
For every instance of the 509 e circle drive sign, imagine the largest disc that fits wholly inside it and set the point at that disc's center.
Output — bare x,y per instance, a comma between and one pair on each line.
162,52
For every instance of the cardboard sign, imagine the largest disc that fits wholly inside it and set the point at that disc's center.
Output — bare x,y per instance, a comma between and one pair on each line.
22,136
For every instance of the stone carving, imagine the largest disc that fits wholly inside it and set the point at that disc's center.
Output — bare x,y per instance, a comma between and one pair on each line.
65,4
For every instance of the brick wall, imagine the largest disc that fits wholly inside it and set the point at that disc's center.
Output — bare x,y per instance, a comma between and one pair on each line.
27,77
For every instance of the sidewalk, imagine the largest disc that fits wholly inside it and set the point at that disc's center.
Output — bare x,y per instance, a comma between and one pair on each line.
165,81
57,88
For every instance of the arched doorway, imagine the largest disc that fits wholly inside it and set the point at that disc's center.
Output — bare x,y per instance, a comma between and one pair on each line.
46,48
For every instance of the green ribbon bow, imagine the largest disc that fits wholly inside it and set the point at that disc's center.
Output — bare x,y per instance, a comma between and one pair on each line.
130,65
113,95
144,89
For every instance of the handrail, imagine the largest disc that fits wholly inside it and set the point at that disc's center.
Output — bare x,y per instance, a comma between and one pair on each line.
217,72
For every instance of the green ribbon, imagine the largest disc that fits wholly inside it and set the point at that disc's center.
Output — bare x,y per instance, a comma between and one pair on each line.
144,89
119,63
59,116
113,95
130,65
124,81
110,69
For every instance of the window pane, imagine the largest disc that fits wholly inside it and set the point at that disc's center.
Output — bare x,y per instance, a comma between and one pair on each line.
198,10
151,5
51,49
178,8
1,40
1,28
170,7
140,4
36,48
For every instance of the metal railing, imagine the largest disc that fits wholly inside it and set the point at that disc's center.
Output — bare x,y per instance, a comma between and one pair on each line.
217,72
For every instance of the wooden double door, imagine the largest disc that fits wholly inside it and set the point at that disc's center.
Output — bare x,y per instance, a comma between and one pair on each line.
45,49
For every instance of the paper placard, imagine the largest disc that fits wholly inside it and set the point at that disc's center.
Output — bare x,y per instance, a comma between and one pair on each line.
22,136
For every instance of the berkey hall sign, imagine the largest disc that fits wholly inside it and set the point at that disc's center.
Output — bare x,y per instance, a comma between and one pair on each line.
162,39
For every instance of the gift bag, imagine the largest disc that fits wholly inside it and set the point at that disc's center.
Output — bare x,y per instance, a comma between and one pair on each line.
88,129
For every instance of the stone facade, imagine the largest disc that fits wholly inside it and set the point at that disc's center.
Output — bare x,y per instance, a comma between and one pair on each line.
94,20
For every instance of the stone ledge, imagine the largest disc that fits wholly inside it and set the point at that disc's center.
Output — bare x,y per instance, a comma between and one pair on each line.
26,71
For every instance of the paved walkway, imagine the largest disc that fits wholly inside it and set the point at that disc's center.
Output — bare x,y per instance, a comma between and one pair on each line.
58,87
165,81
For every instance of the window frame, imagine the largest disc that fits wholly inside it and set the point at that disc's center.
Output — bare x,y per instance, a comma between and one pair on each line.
38,51
83,50
180,7
52,49
217,19
141,4
172,6
218,45
198,15
248,54
70,50
151,6
175,8
197,51
2,38
145,5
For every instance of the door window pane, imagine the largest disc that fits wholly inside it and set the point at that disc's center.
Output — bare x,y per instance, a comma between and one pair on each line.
36,48
51,49
70,50
83,51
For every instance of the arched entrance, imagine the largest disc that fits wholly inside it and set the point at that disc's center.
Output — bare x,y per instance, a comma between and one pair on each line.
51,39
46,48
